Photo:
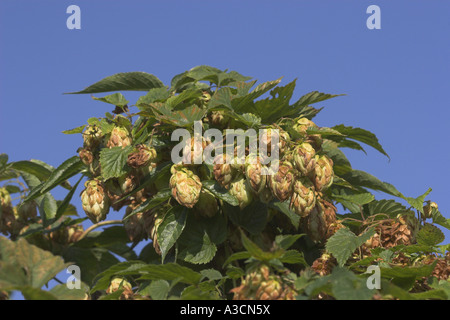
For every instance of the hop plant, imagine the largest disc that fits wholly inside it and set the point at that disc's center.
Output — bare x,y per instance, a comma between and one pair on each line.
118,137
304,158
323,173
185,185
92,137
261,285
94,201
224,172
254,175
242,191
304,199
282,182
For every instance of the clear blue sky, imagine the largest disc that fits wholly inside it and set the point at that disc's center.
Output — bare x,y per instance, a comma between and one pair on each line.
396,79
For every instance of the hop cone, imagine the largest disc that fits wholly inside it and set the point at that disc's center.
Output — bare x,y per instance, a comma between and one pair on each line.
156,219
253,174
207,205
304,199
141,156
119,137
7,217
282,182
86,156
272,134
428,209
304,158
324,264
135,224
242,191
94,201
261,285
120,283
323,173
27,210
224,172
193,153
315,223
302,124
185,185
92,137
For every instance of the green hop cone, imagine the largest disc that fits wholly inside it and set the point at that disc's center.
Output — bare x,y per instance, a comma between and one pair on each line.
253,174
428,209
120,283
92,137
223,172
185,185
156,220
207,205
303,199
94,201
323,173
302,124
118,137
242,191
282,182
304,158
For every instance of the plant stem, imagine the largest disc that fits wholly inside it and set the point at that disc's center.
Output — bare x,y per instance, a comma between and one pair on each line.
97,225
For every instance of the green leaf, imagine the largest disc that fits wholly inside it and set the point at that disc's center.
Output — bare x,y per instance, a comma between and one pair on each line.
347,286
431,294
211,274
257,252
286,241
66,170
74,130
30,293
285,209
153,95
36,169
116,99
390,207
62,207
401,273
439,219
361,135
293,257
170,271
341,164
220,192
171,228
417,203
430,235
363,179
103,279
153,202
62,292
314,97
158,289
180,118
23,264
113,161
252,218
127,81
237,256
356,198
199,239
344,242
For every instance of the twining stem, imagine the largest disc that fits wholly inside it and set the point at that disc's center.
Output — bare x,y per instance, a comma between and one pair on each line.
97,225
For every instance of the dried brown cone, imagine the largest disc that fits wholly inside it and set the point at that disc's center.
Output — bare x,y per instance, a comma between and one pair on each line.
282,182
86,156
442,269
116,195
393,232
218,119
324,264
141,156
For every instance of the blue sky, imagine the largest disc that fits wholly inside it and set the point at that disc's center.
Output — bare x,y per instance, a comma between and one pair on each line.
396,79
